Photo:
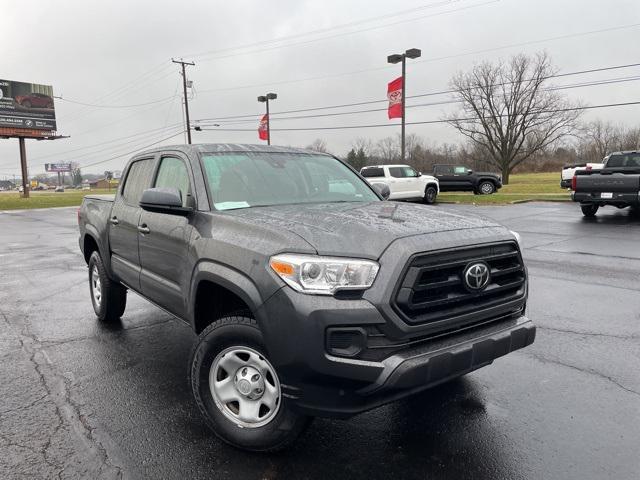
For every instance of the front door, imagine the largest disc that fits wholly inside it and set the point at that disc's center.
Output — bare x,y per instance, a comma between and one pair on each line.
164,242
124,220
399,184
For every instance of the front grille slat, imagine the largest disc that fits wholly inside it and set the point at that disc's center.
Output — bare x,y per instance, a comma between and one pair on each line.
433,288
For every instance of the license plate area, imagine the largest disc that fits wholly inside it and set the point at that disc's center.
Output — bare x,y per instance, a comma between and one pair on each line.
608,195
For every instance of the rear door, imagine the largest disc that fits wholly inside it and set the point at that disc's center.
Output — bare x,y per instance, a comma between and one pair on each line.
165,238
399,184
124,220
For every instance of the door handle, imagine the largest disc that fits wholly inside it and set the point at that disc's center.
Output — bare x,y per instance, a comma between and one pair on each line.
143,228
114,221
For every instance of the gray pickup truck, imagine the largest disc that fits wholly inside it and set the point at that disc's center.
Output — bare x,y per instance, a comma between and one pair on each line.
617,183
310,295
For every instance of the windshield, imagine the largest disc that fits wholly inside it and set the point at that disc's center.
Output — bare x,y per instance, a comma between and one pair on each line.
242,180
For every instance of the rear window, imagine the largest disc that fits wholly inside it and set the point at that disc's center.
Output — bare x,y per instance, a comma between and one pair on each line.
138,179
627,160
372,172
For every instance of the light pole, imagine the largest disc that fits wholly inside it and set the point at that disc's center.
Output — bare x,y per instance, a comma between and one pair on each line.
265,99
402,57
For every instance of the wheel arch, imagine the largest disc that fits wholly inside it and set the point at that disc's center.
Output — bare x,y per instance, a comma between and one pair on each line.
218,290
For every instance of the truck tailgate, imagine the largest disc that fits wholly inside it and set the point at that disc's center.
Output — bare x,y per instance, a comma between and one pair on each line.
615,182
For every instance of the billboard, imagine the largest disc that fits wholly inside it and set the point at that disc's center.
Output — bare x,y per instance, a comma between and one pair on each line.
57,167
26,105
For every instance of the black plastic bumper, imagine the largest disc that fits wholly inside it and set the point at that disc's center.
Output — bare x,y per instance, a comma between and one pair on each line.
320,384
617,198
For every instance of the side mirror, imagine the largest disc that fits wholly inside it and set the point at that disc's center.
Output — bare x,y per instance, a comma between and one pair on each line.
419,174
164,200
382,189
469,172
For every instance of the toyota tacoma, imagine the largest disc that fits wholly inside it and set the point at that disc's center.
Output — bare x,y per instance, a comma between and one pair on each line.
617,183
309,294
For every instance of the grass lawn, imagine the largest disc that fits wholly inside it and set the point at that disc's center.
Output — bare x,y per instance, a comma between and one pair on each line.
46,199
522,187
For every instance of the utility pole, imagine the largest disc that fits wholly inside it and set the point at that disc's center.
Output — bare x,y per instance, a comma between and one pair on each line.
183,64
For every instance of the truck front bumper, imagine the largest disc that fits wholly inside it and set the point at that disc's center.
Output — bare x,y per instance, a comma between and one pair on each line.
317,382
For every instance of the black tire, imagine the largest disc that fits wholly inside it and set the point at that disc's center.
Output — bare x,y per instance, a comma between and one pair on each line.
589,210
112,300
224,334
486,188
430,194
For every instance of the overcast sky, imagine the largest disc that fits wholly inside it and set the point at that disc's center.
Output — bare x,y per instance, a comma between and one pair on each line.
117,53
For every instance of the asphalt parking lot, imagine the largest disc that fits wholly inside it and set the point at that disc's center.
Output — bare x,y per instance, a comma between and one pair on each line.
81,400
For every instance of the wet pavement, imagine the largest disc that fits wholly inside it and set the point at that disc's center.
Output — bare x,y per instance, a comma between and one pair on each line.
81,400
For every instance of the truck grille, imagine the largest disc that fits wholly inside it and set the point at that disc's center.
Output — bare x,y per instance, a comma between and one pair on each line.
433,287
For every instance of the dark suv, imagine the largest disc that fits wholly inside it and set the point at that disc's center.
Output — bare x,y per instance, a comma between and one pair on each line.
458,178
310,295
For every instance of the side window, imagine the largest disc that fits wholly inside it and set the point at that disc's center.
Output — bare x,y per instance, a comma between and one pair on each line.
370,172
444,170
138,179
173,174
460,170
397,172
409,172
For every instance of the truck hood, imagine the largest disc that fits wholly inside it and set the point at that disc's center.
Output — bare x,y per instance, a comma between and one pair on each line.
362,230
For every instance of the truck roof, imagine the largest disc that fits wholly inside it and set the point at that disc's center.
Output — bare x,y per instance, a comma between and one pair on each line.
226,147
390,165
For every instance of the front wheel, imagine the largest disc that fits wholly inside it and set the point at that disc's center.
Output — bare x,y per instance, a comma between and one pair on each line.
238,390
486,188
109,298
430,194
589,210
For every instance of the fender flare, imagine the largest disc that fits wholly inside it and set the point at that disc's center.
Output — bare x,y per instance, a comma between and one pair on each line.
432,184
228,278
91,231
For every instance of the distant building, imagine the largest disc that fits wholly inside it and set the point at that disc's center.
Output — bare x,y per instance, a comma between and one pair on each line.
6,185
105,184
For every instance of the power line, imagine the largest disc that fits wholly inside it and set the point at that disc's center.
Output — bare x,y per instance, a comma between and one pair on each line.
322,30
433,59
306,42
153,102
252,117
133,151
427,122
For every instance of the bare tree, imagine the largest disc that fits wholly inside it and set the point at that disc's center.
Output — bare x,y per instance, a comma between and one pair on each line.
364,144
318,145
508,111
388,149
602,138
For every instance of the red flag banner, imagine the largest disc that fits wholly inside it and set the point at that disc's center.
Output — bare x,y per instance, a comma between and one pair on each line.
394,94
263,133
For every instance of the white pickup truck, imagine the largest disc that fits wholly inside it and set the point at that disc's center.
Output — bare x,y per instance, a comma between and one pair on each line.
404,182
568,171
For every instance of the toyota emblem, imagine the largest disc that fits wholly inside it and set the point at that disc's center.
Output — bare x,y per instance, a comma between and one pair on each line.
476,276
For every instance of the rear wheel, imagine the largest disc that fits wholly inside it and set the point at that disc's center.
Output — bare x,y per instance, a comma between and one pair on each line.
237,389
109,298
430,194
589,210
486,188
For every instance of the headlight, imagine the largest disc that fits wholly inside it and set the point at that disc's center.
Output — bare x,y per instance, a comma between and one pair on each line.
324,275
518,238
